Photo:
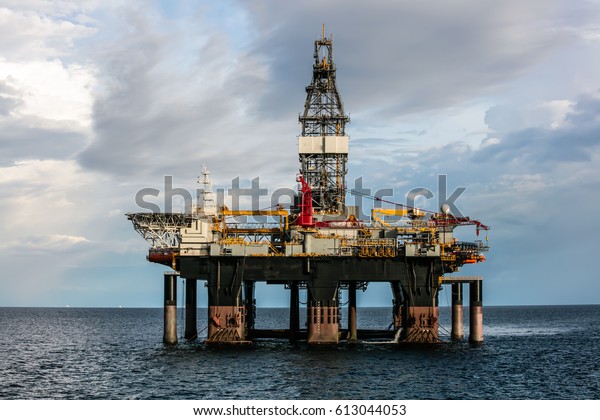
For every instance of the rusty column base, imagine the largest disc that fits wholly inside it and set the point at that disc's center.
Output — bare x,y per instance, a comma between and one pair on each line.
226,325
476,324
457,312
170,309
421,325
170,333
457,333
323,325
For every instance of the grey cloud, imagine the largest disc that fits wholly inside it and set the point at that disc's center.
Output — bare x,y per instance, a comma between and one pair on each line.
585,111
29,137
398,57
30,33
543,147
392,58
157,118
538,146
503,119
23,140
375,142
10,98
7,105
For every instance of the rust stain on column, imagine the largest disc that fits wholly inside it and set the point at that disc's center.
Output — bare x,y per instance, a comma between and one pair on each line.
226,324
422,324
323,325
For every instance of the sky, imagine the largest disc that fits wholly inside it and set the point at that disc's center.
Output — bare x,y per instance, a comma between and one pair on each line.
100,99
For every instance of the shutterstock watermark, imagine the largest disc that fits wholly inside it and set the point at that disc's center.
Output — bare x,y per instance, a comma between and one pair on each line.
256,197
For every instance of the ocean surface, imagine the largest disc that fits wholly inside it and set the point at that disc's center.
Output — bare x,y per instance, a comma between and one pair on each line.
542,352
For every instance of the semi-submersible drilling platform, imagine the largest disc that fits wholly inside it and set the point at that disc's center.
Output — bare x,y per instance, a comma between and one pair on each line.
319,245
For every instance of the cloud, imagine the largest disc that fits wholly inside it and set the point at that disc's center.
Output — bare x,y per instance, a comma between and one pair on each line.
400,57
574,140
41,190
503,119
21,142
585,111
156,116
54,8
33,245
29,34
9,99
67,98
45,92
174,95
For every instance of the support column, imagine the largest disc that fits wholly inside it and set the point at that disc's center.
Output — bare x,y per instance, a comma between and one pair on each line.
294,311
476,312
397,305
420,312
457,312
226,308
421,324
322,312
352,333
170,327
191,303
250,307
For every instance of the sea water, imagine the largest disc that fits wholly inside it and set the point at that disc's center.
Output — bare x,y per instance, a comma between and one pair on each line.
541,352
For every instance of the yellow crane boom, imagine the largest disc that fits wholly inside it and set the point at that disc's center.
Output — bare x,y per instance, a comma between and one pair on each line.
377,214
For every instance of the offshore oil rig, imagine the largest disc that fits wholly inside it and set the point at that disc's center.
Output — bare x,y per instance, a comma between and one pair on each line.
318,244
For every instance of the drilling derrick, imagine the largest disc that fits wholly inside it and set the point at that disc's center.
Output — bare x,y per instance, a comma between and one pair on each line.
323,144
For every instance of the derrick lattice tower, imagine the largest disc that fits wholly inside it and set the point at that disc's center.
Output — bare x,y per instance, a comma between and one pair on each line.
323,144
